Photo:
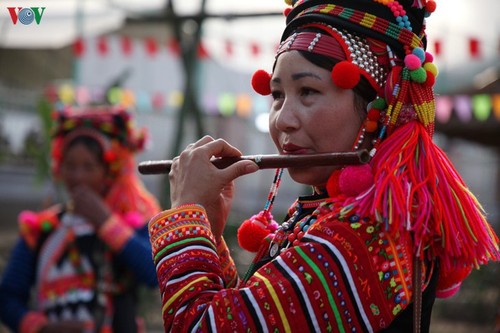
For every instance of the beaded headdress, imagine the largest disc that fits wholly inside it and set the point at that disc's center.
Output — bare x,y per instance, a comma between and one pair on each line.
112,127
413,185
381,40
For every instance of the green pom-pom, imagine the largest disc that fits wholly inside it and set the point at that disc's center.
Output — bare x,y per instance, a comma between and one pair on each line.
46,226
379,104
418,75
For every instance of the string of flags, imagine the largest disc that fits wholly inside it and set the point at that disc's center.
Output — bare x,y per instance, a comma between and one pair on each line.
152,46
466,108
475,47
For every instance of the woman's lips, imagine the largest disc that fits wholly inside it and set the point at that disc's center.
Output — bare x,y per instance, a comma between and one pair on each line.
291,149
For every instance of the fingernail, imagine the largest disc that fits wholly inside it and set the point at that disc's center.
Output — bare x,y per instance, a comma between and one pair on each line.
252,168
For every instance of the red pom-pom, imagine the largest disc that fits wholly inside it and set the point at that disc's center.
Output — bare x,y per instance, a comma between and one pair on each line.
373,115
332,185
110,156
345,75
430,6
287,11
252,232
449,282
29,218
356,179
430,79
261,82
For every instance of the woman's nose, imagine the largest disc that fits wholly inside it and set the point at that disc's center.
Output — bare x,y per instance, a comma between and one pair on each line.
286,118
78,175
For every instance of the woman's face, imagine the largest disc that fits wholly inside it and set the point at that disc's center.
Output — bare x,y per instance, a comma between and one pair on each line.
81,166
309,115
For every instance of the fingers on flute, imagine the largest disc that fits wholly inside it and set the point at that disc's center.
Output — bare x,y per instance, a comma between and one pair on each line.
187,155
220,148
201,142
175,164
240,168
209,147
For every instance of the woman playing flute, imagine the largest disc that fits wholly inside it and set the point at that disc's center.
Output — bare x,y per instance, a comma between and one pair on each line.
374,245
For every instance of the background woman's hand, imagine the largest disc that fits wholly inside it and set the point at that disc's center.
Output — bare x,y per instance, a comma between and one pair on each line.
90,205
195,180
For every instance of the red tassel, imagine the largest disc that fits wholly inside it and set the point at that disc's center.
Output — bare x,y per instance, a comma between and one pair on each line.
252,232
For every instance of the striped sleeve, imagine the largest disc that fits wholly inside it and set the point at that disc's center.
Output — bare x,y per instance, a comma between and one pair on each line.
231,277
318,285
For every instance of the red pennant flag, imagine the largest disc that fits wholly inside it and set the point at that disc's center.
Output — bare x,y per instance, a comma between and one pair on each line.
126,45
437,48
151,46
202,51
474,48
229,47
79,47
102,45
255,49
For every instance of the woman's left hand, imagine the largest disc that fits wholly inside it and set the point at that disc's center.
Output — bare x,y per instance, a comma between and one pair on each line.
90,205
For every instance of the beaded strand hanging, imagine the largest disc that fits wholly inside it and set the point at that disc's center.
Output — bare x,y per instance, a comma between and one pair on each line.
252,232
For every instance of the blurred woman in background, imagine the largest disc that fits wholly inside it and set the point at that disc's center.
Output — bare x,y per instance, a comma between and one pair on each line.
77,265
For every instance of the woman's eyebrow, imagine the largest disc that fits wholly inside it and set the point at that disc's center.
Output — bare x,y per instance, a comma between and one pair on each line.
301,75
298,76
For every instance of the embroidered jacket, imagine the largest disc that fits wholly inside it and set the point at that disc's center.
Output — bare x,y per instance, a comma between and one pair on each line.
345,274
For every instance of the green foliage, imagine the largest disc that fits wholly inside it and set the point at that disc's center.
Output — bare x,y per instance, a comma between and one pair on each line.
41,150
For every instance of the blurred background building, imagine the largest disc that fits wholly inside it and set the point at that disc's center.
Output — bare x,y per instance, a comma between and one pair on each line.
185,68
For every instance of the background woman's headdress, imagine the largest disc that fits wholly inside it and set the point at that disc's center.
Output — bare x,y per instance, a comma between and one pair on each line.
112,127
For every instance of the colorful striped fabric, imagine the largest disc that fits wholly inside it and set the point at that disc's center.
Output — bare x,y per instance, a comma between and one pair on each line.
346,275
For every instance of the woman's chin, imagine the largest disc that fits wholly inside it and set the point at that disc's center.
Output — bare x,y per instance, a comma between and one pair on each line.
313,176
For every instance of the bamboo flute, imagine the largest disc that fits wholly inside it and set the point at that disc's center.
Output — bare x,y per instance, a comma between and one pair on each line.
272,161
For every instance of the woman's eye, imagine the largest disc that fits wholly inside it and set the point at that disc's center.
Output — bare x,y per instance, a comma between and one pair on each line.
307,91
276,95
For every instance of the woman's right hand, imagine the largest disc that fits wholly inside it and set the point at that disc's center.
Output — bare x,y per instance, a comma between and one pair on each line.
90,205
195,180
